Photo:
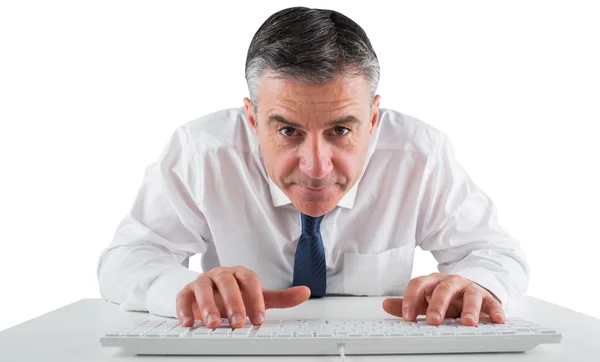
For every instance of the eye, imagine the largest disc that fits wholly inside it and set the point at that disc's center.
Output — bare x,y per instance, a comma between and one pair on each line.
287,131
340,131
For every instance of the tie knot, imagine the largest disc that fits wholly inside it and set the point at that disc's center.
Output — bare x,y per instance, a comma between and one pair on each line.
310,224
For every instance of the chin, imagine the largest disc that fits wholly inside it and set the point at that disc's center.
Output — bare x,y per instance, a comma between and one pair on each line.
315,202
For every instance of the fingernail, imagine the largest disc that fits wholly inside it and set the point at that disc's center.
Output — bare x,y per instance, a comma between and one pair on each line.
405,312
185,319
259,317
434,315
236,318
469,315
211,318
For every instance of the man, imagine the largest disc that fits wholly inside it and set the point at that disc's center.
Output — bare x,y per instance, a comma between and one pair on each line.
310,189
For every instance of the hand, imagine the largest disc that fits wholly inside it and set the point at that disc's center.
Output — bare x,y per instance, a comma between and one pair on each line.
440,296
233,292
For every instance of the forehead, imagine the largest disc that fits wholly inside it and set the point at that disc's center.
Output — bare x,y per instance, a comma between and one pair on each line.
338,93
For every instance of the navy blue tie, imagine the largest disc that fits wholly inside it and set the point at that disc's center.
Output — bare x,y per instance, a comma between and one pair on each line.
309,263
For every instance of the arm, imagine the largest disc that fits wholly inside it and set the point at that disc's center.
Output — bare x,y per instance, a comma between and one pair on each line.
458,223
145,265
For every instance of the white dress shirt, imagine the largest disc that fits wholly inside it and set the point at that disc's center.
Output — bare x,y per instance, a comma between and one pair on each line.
208,193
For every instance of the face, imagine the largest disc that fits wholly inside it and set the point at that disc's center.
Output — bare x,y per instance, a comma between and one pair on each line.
314,138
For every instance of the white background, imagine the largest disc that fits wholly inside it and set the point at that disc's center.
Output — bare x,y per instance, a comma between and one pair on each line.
91,91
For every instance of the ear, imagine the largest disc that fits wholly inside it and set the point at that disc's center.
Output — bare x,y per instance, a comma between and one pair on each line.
375,113
251,117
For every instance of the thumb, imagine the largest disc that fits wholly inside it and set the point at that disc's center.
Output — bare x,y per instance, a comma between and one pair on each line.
285,298
393,306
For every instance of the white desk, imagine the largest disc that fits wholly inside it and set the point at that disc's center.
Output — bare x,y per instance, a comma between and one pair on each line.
71,333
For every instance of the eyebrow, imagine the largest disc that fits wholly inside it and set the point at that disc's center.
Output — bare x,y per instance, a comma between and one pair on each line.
276,118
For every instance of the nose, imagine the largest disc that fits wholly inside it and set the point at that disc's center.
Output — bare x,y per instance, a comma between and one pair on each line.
315,158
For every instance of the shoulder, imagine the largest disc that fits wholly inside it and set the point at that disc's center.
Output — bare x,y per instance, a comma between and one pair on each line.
224,128
399,131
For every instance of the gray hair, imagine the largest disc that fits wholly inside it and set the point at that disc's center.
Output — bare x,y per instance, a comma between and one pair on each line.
311,46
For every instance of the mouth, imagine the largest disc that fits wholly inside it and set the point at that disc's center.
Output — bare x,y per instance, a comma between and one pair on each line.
321,189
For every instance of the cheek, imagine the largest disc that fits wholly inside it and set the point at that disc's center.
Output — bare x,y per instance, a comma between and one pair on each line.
281,162
346,164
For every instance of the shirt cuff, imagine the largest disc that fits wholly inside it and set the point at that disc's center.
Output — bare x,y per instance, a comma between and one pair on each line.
162,295
482,277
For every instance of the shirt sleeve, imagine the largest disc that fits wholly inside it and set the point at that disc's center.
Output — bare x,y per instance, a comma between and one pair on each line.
146,264
458,223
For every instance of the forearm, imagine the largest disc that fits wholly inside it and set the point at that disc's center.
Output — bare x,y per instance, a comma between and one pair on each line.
499,266
143,278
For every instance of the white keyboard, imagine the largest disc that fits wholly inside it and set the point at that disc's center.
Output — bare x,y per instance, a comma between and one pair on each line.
329,337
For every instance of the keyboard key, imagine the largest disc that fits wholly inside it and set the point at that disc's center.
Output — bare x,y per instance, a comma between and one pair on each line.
407,326
153,323
199,336
221,332
324,334
546,331
198,324
241,331
115,333
264,334
284,334
396,334
448,333
292,322
202,331
154,334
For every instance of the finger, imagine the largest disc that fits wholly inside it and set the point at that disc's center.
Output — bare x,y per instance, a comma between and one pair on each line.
393,306
231,295
286,298
252,295
472,300
196,310
443,294
184,307
414,295
204,293
493,308
453,310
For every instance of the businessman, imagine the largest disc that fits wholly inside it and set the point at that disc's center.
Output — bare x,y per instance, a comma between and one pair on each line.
310,189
